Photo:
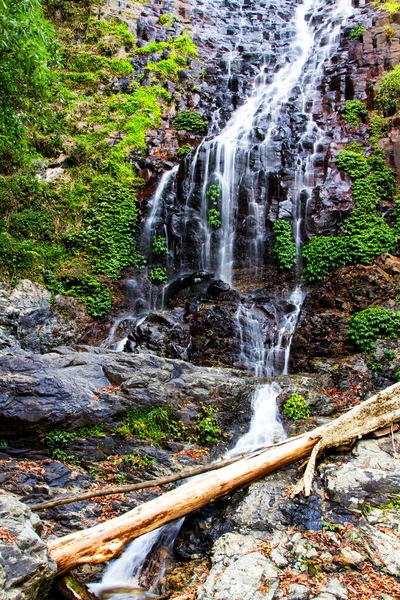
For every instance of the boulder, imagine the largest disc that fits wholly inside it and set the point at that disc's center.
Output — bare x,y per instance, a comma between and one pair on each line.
30,320
68,389
26,570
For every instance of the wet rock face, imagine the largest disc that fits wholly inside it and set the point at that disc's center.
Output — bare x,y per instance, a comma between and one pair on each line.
71,389
26,570
323,323
29,321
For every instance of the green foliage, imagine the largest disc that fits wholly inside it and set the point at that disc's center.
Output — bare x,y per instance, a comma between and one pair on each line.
180,51
76,234
26,81
296,408
155,424
206,428
213,193
158,275
184,150
166,20
387,97
137,462
357,32
190,120
160,245
379,127
90,291
391,6
284,247
108,230
354,162
354,112
364,234
371,324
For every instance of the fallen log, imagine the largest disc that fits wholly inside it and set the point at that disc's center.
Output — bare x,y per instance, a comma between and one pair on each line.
107,540
134,487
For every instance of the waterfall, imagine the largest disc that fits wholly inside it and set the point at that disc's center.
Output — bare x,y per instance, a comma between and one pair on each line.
249,148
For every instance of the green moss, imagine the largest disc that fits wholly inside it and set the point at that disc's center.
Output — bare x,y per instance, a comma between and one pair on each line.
77,234
284,247
371,324
184,150
155,424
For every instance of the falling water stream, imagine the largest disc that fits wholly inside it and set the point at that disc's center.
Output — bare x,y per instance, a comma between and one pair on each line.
232,151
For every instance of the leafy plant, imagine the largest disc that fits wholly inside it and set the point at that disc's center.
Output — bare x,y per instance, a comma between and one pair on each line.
138,462
354,112
387,97
28,51
296,408
190,120
155,424
207,429
357,32
371,324
364,234
213,193
158,275
184,150
160,245
284,247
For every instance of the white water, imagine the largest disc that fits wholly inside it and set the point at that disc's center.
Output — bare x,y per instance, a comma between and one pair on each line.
155,206
132,568
304,69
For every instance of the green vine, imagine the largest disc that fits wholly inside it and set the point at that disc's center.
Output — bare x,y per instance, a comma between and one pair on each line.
158,275
160,245
213,193
284,247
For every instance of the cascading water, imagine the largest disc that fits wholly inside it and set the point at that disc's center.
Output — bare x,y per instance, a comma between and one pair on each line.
248,149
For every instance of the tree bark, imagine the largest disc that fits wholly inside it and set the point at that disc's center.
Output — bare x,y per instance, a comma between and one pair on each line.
107,540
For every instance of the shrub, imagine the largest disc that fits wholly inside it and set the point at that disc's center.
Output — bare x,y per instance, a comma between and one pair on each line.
357,32
155,424
184,150
158,275
213,193
387,97
371,324
284,247
353,162
364,234
207,429
296,408
160,245
190,120
354,112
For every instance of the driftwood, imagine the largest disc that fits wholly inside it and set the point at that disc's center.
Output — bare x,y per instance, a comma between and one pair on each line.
107,540
133,487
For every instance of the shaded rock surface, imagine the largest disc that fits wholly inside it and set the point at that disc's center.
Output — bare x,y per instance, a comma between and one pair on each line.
323,322
26,571
29,320
69,390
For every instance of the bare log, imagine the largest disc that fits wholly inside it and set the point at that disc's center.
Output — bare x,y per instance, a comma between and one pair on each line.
107,540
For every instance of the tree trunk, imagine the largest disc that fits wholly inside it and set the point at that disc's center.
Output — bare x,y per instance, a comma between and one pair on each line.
107,540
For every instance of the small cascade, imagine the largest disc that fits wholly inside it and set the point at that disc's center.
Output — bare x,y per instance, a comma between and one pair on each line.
153,219
265,426
134,566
